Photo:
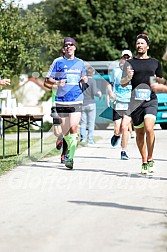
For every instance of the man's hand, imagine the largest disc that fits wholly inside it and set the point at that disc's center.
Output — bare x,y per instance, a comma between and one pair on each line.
159,88
161,80
84,79
5,82
99,93
61,82
52,83
130,73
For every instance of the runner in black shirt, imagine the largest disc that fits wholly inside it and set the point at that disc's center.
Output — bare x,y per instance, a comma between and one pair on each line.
144,102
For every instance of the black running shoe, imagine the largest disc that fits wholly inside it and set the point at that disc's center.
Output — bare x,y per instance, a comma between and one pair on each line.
115,140
124,156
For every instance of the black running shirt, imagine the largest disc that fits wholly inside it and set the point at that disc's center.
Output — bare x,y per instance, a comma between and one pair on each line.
143,69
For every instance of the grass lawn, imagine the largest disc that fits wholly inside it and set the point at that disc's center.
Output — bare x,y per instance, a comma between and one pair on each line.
11,159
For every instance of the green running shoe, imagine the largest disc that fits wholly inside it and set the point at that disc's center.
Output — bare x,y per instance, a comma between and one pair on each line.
144,168
69,163
151,167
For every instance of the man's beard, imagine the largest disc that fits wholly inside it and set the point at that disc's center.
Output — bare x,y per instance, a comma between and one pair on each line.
140,53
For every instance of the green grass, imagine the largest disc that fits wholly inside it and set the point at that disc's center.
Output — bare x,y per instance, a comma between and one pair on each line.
12,160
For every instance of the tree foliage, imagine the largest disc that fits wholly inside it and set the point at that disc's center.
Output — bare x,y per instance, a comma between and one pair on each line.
29,40
24,40
103,28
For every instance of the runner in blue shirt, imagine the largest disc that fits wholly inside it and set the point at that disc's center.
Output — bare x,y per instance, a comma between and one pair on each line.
121,112
68,72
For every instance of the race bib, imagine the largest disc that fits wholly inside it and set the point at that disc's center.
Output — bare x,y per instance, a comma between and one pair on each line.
72,79
121,106
142,94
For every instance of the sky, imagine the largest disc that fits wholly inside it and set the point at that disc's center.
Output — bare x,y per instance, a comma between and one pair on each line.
25,3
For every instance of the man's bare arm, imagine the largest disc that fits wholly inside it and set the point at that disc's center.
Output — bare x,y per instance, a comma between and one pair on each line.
125,80
52,83
49,82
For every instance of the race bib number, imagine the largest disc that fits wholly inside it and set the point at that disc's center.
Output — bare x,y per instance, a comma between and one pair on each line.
142,94
72,79
121,106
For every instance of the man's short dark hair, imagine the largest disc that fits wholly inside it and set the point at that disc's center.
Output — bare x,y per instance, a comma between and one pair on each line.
90,71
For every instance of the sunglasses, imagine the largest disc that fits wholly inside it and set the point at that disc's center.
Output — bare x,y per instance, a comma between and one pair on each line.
69,44
126,56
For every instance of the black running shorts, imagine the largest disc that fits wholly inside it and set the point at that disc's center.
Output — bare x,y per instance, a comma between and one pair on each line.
147,107
119,114
65,110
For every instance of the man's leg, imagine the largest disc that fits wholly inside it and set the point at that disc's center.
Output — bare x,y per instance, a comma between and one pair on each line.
125,136
83,124
91,122
124,129
71,135
141,142
117,127
117,131
64,151
150,136
58,132
149,121
74,122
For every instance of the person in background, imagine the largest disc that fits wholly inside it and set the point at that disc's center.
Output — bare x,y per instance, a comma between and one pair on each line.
88,114
68,74
144,103
121,112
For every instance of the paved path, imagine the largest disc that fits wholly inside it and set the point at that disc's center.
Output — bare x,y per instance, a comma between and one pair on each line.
103,205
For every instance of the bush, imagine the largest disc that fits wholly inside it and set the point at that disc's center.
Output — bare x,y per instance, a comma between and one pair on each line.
47,126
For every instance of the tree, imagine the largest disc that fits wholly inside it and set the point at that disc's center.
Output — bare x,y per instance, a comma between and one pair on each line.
104,28
24,40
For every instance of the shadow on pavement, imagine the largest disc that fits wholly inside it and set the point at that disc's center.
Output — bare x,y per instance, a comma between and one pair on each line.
116,205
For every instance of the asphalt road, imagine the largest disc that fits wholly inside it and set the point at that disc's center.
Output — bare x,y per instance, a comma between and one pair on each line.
102,205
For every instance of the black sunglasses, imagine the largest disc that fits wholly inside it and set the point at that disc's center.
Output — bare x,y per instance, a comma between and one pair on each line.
69,44
126,56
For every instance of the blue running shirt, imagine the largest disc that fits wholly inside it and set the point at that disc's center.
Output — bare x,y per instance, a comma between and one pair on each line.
72,71
123,94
